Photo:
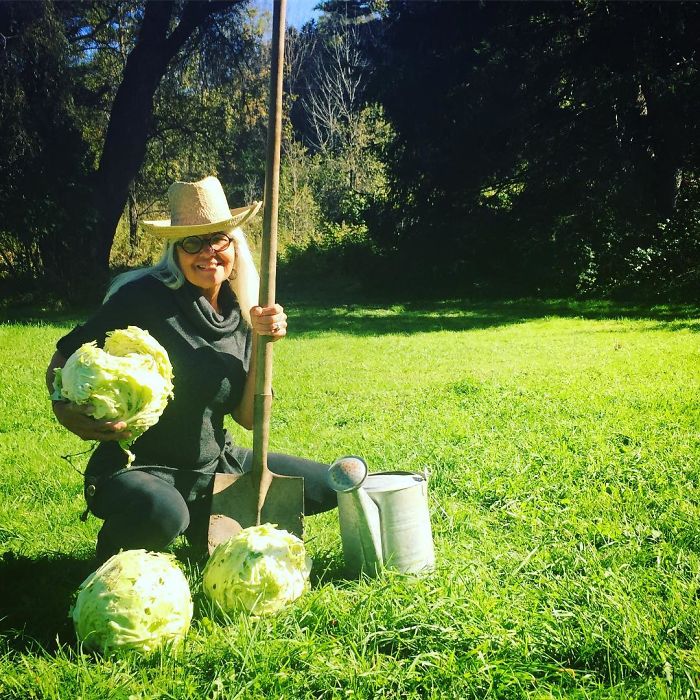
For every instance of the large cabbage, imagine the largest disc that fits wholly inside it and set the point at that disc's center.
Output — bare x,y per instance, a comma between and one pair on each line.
130,380
136,600
260,570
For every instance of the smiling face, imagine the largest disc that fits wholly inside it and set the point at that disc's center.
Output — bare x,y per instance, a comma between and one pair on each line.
207,269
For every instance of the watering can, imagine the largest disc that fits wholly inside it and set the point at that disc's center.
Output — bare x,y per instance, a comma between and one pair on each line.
384,518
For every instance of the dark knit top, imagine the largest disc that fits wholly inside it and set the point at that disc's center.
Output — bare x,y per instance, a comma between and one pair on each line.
210,355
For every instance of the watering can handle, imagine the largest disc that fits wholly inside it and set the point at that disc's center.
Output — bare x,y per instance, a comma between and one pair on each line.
262,403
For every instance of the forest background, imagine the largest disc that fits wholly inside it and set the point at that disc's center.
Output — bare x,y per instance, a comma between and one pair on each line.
430,148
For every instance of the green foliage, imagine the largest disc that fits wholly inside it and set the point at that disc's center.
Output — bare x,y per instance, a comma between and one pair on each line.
562,444
576,118
101,35
44,155
505,148
300,214
334,168
65,63
345,264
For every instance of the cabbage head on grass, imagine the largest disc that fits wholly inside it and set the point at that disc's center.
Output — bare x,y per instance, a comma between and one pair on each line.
136,600
260,570
131,379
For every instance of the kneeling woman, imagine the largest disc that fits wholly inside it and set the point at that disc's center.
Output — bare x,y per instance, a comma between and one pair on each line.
200,302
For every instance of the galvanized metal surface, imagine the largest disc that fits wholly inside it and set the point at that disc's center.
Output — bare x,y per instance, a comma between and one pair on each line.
386,523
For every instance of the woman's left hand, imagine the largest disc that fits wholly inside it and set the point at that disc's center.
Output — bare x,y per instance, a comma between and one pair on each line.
270,321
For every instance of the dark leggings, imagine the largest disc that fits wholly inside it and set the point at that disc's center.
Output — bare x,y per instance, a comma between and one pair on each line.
142,511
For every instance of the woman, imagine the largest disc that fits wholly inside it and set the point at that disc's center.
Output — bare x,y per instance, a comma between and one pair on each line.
200,302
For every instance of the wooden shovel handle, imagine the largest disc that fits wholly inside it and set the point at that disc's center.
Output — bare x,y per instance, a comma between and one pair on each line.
268,260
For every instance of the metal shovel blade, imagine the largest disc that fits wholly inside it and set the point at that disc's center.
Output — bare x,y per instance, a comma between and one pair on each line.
234,506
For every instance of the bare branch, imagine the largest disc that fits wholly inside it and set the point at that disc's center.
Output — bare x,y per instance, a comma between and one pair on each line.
335,90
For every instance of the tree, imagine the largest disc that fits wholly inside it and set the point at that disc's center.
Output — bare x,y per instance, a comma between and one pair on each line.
341,133
209,118
127,132
526,145
83,78
42,180
335,92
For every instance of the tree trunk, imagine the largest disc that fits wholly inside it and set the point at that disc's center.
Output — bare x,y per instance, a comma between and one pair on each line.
133,221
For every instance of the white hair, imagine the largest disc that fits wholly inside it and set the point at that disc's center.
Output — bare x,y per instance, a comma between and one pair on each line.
244,281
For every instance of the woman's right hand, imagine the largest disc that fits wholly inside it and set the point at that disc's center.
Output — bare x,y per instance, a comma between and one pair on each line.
76,419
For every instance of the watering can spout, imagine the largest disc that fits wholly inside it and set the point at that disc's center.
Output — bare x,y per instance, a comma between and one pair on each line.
363,548
368,530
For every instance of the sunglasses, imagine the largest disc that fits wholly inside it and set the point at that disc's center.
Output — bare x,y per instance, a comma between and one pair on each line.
218,242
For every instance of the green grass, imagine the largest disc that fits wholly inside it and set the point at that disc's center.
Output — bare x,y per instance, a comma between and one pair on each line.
563,445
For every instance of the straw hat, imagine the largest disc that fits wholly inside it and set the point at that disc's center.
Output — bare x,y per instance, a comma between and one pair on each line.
197,208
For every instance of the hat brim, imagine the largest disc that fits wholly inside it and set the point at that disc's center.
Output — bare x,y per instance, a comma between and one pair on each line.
163,229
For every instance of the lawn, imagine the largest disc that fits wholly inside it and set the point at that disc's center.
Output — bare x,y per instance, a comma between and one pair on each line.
562,441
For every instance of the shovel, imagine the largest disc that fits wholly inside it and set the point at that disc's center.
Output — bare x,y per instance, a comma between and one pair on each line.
241,501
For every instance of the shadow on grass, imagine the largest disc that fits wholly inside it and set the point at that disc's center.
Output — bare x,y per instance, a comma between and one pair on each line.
327,568
36,595
463,315
371,318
